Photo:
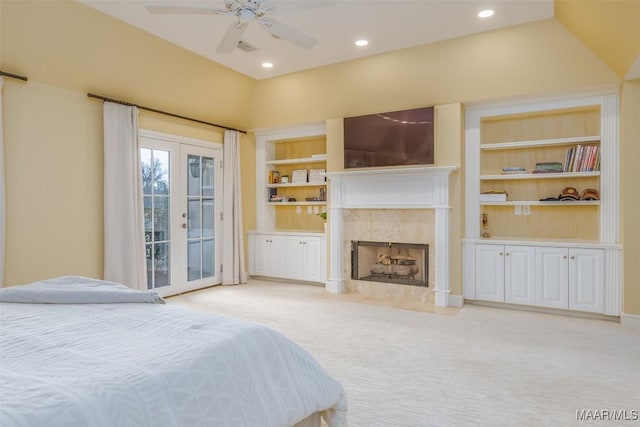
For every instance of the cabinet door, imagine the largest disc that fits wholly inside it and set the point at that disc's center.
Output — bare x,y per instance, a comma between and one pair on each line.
519,281
552,277
490,272
261,253
586,280
313,256
277,256
295,257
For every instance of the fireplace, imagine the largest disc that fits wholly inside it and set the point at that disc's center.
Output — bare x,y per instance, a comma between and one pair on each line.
386,262
401,193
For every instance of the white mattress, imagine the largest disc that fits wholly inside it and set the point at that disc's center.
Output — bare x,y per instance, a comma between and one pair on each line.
136,364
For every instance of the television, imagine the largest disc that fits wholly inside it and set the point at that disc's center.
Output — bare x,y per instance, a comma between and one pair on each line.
397,138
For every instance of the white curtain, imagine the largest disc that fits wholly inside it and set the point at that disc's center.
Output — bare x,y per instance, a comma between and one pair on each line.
233,272
2,209
124,256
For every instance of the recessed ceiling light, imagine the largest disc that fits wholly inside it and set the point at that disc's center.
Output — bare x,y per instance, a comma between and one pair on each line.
362,42
486,13
267,65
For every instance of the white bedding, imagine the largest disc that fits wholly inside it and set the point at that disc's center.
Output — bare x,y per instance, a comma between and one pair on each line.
135,364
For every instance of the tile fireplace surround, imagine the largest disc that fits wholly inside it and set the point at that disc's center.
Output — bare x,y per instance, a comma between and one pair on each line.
409,205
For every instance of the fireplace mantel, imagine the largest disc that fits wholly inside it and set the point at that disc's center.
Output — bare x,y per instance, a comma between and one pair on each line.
391,188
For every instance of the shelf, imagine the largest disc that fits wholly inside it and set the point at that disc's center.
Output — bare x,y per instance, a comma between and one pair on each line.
298,184
317,159
541,143
504,177
539,203
324,203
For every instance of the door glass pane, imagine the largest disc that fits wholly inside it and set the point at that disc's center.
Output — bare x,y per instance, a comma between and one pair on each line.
145,160
207,258
161,172
207,218
194,260
193,175
161,264
207,176
194,218
148,249
155,170
161,218
148,219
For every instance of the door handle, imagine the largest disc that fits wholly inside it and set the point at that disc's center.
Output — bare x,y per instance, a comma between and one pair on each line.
184,225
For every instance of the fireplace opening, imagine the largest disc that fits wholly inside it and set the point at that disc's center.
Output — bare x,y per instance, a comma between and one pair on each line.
400,263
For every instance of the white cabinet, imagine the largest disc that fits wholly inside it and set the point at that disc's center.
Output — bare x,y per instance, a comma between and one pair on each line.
297,256
269,255
552,277
304,258
505,274
586,280
546,276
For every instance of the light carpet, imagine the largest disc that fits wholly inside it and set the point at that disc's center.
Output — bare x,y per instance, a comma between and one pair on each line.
481,366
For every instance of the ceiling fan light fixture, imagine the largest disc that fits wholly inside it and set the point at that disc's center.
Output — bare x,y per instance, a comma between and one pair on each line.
486,13
362,42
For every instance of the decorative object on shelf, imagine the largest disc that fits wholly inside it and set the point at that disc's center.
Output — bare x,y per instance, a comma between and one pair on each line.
284,179
568,194
323,194
485,226
317,175
549,167
590,194
299,176
274,177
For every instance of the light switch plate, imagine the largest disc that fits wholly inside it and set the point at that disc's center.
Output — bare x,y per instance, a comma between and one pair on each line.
309,209
526,210
517,209
298,209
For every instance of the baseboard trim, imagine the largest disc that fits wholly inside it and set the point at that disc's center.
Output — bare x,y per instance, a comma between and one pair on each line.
456,300
545,310
630,321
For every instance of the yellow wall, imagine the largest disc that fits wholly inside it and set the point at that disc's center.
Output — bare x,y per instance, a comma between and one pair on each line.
533,59
630,195
611,28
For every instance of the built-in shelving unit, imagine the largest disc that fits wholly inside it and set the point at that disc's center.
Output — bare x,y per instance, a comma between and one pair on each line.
550,253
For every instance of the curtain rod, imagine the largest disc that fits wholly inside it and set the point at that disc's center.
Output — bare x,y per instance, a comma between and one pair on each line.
91,95
13,76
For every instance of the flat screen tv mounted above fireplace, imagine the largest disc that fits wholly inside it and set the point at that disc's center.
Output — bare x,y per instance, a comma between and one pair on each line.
396,138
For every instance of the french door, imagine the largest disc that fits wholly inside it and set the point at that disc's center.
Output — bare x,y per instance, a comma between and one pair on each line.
182,190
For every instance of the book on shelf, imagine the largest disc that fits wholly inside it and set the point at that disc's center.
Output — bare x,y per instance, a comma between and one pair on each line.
582,158
513,170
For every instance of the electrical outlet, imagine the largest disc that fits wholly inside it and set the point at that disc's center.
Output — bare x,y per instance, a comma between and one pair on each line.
526,210
316,210
298,210
517,209
309,209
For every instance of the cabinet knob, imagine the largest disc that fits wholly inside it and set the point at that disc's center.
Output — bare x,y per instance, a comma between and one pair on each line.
508,253
500,253
564,257
573,257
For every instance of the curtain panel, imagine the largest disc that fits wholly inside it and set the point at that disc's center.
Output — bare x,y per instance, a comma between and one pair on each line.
233,269
124,256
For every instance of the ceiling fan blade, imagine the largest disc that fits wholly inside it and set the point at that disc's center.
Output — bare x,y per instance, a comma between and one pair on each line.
297,6
185,10
285,32
231,37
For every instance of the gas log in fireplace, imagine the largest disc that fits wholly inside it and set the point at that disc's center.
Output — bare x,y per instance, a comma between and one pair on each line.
401,263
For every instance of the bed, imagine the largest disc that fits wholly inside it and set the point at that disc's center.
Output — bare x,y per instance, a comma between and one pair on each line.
83,352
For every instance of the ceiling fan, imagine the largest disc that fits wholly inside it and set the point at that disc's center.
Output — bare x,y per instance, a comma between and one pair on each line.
247,11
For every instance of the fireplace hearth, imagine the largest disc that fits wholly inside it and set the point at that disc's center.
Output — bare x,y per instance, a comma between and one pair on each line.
387,262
